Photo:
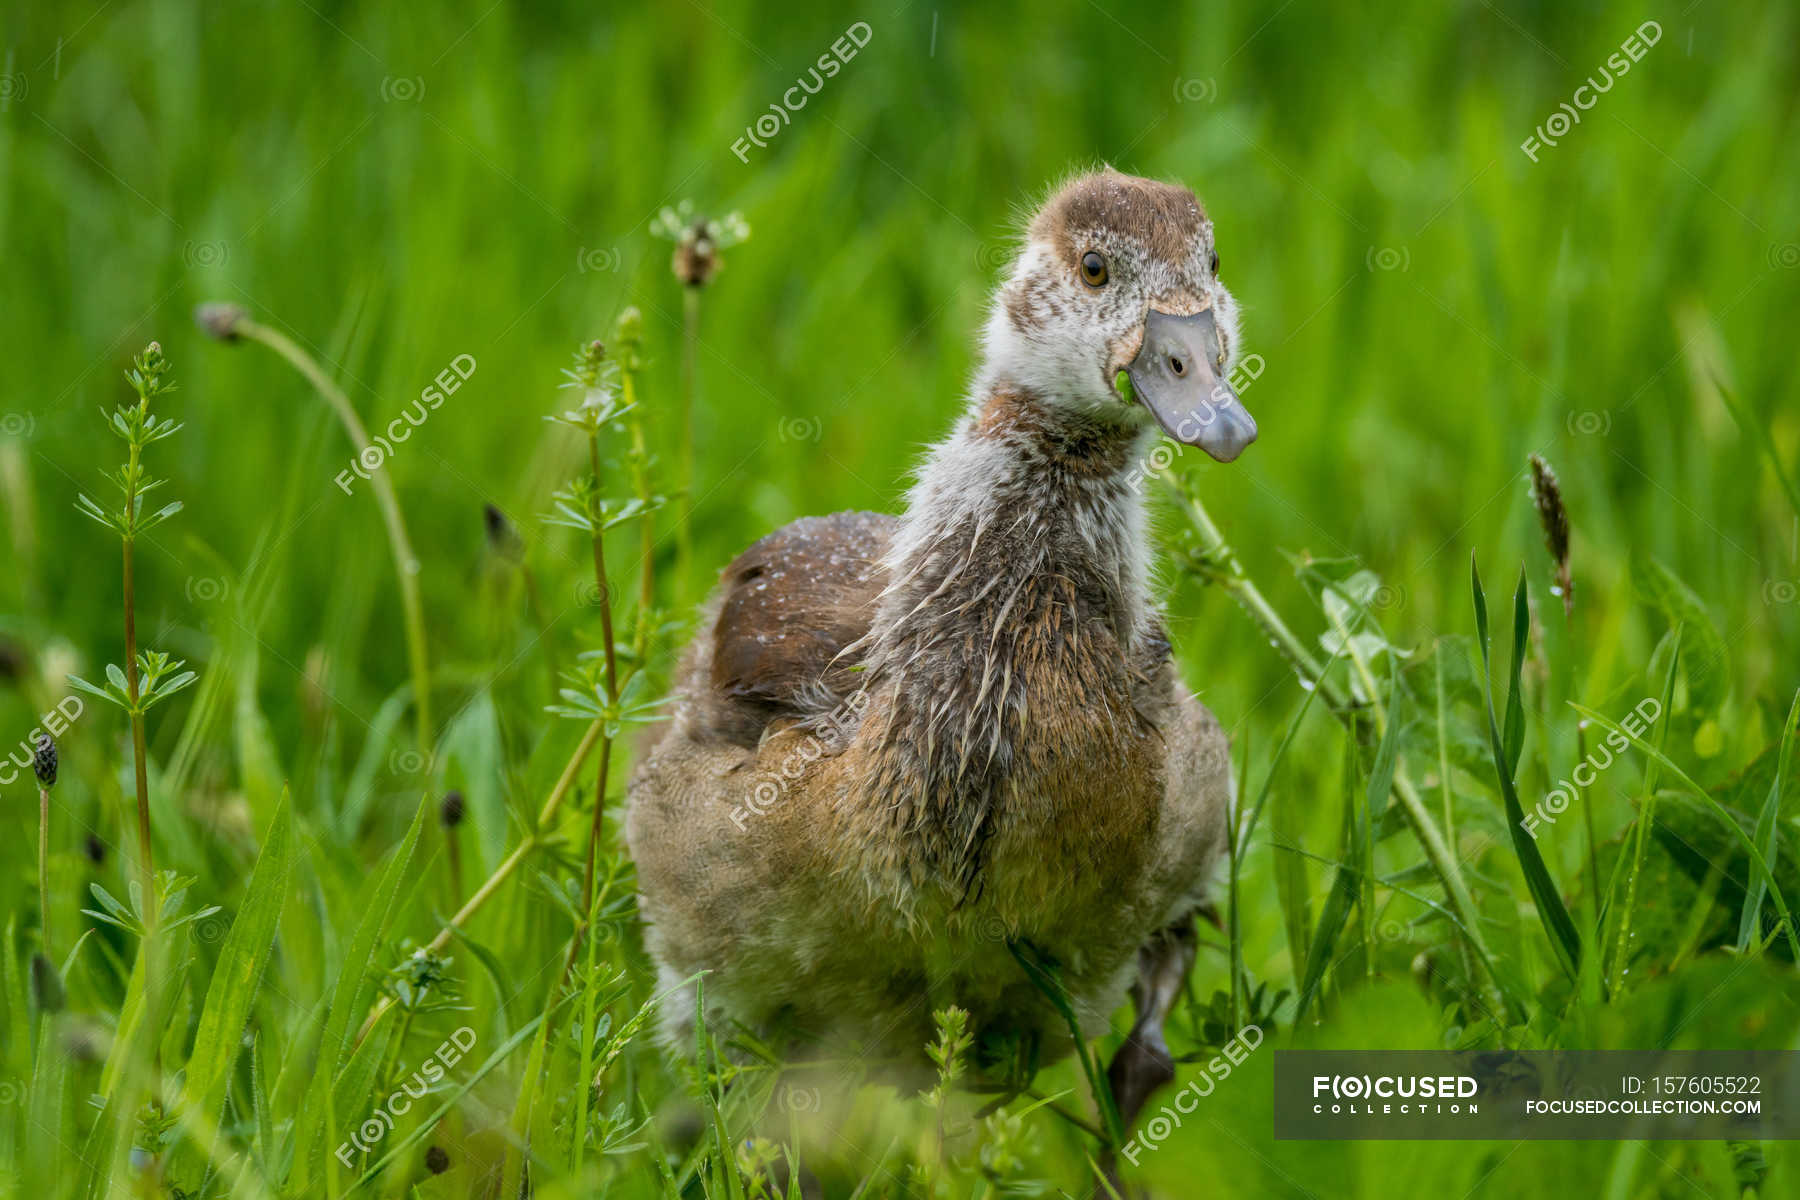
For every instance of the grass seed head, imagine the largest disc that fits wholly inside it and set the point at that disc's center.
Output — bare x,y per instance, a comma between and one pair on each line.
44,760
452,810
1546,494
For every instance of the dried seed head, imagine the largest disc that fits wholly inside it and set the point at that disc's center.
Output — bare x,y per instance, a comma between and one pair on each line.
95,849
452,810
43,760
695,261
46,985
1546,494
437,1161
220,320
502,538
698,240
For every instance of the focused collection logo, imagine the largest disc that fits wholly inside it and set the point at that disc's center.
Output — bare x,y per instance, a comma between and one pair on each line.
1394,1095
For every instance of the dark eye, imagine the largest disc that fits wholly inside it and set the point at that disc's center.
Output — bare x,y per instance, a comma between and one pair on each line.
1093,269
1215,262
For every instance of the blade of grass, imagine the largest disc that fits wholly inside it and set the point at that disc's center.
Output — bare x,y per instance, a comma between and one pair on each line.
1565,939
238,975
1046,979
1646,824
353,1091
1354,876
518,1146
264,1116
230,323
713,1095
1331,923
1750,924
1288,888
351,984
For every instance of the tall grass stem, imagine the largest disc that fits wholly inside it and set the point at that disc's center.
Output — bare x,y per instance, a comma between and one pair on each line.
406,563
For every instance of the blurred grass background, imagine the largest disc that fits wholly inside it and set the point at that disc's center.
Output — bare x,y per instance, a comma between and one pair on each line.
395,187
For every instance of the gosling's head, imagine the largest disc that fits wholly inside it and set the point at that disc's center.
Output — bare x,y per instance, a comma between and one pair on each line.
1119,273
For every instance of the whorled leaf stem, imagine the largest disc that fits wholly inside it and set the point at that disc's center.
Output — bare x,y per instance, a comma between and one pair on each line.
612,679
148,677
229,323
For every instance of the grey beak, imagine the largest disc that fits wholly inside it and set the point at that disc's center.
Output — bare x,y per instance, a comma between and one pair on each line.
1179,376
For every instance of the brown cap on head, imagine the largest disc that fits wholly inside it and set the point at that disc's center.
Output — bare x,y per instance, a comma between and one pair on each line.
1164,217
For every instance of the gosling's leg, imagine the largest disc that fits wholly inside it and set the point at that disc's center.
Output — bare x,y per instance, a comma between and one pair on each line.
1144,1064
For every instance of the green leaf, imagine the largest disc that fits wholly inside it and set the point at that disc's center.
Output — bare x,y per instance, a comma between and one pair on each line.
243,958
1323,943
1707,680
1750,924
352,1092
349,994
89,508
1045,976
156,518
113,905
1565,939
1667,764
531,1082
46,1116
1512,739
106,694
265,1121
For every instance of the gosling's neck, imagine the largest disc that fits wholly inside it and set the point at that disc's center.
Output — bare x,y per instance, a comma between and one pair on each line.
1025,485
1002,658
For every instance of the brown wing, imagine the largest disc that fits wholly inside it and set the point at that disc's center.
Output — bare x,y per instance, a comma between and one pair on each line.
788,608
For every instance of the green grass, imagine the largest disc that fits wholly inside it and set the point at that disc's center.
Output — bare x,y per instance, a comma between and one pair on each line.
395,188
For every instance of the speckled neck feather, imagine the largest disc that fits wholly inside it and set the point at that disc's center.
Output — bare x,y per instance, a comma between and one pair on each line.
1017,595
